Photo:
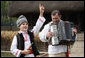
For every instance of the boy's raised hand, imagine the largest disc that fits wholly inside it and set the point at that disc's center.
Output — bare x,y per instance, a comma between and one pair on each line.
41,7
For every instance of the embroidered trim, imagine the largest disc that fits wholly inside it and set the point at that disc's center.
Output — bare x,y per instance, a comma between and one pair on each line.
26,37
41,20
16,53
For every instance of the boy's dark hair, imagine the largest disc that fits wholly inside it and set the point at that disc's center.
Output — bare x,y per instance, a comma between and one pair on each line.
55,11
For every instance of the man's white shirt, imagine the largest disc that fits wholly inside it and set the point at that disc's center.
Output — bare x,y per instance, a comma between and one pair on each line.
51,49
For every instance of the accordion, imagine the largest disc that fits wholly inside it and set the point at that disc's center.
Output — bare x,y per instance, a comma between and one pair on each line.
63,35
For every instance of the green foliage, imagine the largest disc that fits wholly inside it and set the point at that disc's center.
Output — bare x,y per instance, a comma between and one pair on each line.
8,20
4,5
4,17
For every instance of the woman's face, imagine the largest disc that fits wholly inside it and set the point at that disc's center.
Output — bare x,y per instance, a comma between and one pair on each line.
24,26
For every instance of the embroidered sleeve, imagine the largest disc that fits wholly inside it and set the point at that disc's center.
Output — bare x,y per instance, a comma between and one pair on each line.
38,25
42,34
14,49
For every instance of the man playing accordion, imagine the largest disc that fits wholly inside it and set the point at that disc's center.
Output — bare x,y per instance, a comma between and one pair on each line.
54,32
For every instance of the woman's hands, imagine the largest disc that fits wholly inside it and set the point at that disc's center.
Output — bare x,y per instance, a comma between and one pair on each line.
41,7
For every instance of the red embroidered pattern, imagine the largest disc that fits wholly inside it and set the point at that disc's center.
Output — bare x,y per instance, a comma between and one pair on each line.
41,20
16,53
26,37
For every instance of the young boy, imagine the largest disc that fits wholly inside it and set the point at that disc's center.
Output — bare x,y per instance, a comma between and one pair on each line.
21,44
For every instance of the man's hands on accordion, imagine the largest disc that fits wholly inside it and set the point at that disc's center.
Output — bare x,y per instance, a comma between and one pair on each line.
51,34
75,30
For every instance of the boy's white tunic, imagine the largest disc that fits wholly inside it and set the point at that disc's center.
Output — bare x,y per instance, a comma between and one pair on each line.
27,42
51,49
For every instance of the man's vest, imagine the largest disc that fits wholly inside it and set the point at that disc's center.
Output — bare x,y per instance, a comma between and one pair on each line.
20,41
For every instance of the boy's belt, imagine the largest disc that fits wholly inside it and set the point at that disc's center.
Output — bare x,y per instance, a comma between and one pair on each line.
31,52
